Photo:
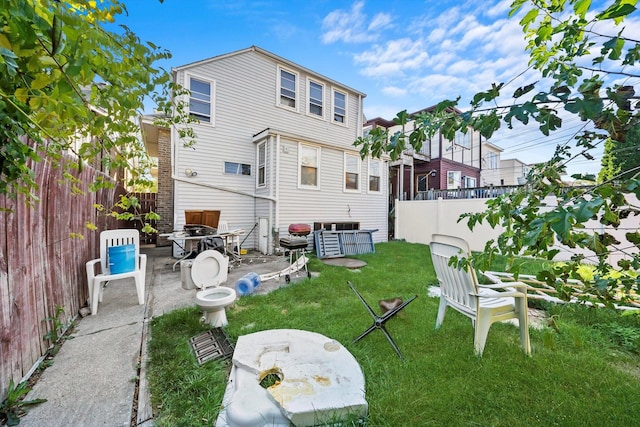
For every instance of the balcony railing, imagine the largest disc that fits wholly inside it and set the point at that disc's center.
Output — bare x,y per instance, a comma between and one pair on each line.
466,193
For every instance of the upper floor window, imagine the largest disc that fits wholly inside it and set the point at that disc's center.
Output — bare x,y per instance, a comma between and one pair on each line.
375,169
288,88
309,161
200,99
463,139
339,107
492,160
351,172
262,160
316,96
233,168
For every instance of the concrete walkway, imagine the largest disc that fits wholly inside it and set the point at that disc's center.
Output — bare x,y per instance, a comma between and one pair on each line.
98,376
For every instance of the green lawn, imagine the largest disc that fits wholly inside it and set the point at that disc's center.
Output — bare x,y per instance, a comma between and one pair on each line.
584,369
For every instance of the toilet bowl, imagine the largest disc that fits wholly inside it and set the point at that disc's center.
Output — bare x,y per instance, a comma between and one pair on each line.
213,303
208,271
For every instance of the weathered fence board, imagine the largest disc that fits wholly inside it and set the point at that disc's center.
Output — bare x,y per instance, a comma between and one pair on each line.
42,266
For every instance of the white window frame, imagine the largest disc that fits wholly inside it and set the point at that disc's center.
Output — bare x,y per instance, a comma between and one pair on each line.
212,97
302,147
239,168
357,171
453,178
492,160
463,139
370,175
261,170
321,100
296,95
469,182
334,91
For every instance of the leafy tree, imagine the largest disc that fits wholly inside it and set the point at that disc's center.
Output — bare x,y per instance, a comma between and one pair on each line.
577,52
621,159
71,85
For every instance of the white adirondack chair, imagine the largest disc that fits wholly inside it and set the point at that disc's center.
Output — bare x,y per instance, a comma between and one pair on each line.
483,304
108,239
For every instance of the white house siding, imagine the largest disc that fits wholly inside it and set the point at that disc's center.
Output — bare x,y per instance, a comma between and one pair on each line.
329,203
488,175
511,170
246,95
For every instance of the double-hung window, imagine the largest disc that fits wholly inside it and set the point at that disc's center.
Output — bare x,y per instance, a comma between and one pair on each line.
375,169
316,95
201,99
309,161
492,160
351,172
288,88
262,160
339,107
463,139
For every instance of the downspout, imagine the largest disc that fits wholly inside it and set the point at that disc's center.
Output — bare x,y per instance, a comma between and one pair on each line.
277,188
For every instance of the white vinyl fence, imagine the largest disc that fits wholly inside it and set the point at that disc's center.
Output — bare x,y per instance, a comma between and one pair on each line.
417,220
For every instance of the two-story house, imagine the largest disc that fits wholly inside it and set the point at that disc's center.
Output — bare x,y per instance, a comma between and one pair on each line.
499,172
274,147
441,163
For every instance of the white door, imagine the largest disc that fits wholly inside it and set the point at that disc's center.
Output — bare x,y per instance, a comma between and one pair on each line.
263,235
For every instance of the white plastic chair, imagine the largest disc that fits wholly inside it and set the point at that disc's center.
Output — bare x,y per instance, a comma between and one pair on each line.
231,239
108,239
483,304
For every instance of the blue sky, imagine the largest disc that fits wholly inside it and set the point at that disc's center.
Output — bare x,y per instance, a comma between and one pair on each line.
403,54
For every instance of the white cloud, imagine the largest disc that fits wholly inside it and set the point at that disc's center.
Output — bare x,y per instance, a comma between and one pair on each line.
500,10
464,67
350,26
380,22
394,91
394,58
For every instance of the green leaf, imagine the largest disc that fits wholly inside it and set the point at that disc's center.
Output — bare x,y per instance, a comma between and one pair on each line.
581,7
587,209
528,18
614,47
616,12
524,90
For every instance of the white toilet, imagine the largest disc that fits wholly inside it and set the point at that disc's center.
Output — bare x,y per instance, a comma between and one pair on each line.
208,271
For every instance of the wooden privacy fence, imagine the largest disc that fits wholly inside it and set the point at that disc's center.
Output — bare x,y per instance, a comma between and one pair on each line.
148,203
41,266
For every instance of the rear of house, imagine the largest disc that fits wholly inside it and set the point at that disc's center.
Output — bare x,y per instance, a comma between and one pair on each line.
441,164
274,147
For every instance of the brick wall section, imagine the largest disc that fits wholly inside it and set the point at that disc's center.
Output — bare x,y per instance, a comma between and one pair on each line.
165,186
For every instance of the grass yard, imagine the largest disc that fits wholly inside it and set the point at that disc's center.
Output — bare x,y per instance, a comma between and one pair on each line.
584,371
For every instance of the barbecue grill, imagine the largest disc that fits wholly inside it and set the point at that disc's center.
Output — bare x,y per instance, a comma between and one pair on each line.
296,243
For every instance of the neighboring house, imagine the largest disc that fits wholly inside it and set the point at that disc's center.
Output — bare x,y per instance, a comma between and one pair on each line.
513,172
490,174
499,172
440,164
274,147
